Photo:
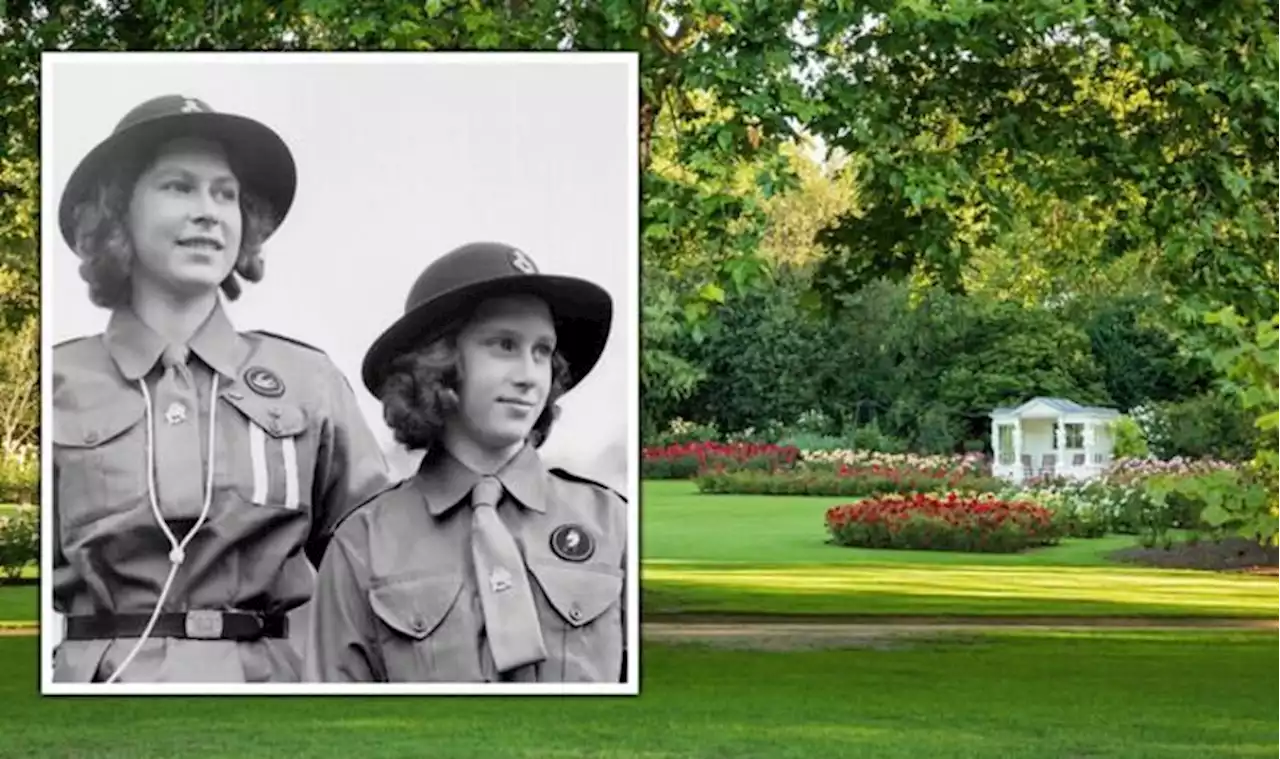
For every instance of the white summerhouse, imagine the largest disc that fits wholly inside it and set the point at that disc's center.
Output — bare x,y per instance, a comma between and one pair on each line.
1051,437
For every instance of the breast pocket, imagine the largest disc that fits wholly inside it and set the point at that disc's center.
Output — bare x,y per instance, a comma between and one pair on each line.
421,640
101,461
270,457
581,611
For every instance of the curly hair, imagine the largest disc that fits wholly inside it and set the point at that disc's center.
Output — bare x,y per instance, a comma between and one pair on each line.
421,388
106,251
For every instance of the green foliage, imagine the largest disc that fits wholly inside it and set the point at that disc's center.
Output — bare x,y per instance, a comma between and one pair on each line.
20,475
822,480
1251,364
1154,122
20,384
1089,509
670,468
666,377
892,372
19,541
869,437
1129,441
679,431
1141,363
1208,425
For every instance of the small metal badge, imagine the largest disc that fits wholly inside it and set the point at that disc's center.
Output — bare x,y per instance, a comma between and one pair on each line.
572,543
176,413
499,580
522,262
264,382
191,106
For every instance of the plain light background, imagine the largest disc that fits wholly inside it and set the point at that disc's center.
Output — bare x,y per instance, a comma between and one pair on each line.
400,159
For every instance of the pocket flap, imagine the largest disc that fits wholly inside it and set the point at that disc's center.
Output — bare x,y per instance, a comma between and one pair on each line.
278,418
90,428
580,594
415,607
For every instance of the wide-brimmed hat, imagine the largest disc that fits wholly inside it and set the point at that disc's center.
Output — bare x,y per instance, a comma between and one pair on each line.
454,284
260,159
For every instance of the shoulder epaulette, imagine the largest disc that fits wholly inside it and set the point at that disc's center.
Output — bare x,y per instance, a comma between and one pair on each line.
386,488
285,338
567,475
71,340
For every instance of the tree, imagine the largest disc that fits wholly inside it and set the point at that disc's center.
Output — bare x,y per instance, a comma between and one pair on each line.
1154,121
20,385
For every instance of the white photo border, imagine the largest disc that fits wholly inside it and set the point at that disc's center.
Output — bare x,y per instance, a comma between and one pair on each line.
50,241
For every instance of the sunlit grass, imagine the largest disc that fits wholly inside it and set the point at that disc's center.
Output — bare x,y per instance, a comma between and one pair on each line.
899,589
1017,695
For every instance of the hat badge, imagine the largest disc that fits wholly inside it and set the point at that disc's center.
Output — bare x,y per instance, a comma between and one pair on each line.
522,263
190,105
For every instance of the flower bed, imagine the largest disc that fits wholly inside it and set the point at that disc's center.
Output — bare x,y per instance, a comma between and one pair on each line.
1087,509
969,463
954,522
842,481
685,460
1131,471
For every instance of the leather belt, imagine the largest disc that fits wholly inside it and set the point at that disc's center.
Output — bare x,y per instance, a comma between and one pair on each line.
202,624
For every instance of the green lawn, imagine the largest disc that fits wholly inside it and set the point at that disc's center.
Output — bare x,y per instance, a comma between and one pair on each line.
681,524
1112,695
19,603
766,554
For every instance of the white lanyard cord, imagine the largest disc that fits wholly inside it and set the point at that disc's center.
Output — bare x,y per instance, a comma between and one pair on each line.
178,553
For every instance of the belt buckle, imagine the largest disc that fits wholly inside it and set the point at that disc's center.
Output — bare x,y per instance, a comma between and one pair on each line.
204,624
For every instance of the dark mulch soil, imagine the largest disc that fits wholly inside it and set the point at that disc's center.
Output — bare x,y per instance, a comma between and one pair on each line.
1229,554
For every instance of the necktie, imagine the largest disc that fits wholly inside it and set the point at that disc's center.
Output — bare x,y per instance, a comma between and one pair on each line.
510,617
179,464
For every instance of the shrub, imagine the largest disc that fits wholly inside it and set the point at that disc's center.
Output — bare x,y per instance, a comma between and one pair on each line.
1080,509
1202,426
1129,439
19,541
1165,495
869,437
680,431
952,522
842,480
20,475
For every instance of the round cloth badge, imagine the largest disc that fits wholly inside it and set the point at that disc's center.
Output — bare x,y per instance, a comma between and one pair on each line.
264,382
572,543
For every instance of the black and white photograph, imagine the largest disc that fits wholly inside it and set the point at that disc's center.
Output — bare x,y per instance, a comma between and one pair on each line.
340,373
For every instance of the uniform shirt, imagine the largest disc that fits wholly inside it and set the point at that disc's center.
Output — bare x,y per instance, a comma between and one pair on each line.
396,597
287,469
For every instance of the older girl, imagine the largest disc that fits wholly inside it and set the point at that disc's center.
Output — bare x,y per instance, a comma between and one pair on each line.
197,469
